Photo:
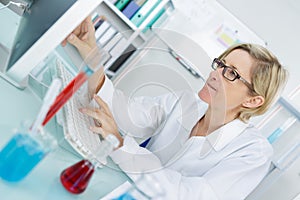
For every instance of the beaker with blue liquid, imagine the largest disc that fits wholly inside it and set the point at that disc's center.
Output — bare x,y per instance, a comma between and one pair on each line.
23,152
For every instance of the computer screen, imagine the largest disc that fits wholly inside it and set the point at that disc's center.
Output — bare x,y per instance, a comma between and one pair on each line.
41,29
41,15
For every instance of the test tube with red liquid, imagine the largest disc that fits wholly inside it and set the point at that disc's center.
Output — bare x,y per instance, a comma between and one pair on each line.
67,93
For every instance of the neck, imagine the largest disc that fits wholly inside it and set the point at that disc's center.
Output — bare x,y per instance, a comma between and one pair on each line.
211,121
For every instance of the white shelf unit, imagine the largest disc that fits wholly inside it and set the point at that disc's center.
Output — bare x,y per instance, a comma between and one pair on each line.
135,36
286,159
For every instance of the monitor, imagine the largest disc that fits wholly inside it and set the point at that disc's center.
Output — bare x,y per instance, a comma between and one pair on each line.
42,28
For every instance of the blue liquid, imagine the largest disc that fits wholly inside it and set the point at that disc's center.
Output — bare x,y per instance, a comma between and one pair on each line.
125,196
20,155
275,135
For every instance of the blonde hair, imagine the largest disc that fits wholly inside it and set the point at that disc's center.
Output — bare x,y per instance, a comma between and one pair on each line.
268,77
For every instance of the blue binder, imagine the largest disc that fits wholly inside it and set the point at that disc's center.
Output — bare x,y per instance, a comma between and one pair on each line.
121,4
131,9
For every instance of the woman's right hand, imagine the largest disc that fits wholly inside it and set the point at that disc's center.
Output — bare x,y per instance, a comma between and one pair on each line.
83,38
106,123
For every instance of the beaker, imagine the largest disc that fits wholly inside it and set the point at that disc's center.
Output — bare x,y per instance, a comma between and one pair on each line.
23,152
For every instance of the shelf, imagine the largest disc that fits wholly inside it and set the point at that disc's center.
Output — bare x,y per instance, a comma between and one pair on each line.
120,14
164,4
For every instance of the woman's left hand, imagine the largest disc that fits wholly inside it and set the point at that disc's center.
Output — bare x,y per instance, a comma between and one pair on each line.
103,117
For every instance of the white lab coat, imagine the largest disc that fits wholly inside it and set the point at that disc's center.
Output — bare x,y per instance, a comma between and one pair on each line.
227,164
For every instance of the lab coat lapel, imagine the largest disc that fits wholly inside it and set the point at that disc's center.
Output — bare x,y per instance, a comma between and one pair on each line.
218,139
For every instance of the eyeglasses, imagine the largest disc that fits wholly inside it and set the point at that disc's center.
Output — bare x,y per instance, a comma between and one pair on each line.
230,73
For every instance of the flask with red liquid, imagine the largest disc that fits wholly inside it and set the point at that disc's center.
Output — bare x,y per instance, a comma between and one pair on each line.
76,178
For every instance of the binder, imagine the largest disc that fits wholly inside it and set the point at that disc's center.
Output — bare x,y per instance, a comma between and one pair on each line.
94,16
132,8
121,59
118,48
144,12
98,22
121,4
111,43
155,18
102,28
107,36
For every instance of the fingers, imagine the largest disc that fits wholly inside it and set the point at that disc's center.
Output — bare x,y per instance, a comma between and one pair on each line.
85,37
76,32
98,130
64,42
94,113
102,104
74,40
90,26
81,30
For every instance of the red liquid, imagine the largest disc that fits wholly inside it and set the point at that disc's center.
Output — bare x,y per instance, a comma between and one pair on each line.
76,177
65,95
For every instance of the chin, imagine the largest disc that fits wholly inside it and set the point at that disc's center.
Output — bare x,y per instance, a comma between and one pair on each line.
204,95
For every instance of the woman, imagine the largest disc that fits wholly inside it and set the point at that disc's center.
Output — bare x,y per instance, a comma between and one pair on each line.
201,146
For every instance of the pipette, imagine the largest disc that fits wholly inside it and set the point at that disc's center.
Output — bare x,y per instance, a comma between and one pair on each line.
47,102
184,62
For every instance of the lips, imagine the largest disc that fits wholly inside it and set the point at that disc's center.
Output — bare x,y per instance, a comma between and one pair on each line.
209,85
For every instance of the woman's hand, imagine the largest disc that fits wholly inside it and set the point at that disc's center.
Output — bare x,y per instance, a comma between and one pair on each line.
83,38
104,118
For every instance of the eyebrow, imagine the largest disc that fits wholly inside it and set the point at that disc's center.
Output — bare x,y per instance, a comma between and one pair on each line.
230,65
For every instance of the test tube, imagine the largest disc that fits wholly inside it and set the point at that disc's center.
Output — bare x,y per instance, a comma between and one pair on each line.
279,131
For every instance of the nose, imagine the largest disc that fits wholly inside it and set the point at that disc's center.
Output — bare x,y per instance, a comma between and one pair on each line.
213,75
216,74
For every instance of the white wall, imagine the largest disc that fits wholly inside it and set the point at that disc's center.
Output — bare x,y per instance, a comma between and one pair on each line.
277,22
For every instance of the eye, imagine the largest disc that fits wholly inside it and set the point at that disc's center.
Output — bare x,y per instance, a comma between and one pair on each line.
231,72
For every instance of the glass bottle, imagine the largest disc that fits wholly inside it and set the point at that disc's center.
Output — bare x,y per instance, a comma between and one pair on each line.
76,178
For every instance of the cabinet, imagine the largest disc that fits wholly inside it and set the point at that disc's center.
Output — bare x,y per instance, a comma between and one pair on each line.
281,126
129,38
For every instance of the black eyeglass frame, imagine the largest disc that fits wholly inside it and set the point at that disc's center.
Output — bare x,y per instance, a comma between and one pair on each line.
220,64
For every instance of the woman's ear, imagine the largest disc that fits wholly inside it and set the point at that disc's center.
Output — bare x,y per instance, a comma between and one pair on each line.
254,102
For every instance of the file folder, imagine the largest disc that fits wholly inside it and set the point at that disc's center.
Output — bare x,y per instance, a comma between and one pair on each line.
111,43
102,28
121,59
133,7
118,48
121,4
107,36
130,9
155,18
144,12
98,22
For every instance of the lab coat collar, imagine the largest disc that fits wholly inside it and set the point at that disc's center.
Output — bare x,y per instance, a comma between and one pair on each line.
224,135
217,139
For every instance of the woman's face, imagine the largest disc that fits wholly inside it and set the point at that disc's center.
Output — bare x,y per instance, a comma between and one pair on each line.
223,94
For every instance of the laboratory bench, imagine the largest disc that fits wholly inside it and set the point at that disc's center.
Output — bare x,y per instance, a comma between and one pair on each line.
44,180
